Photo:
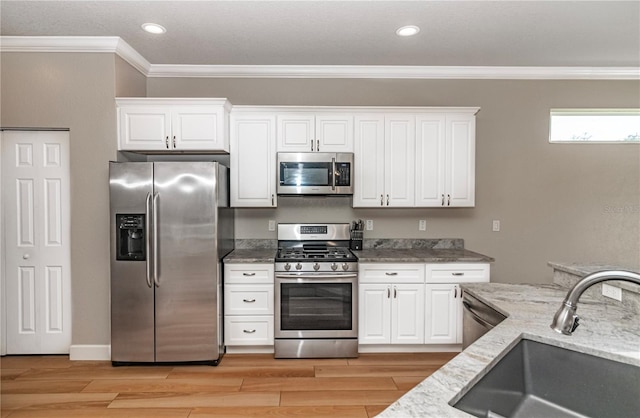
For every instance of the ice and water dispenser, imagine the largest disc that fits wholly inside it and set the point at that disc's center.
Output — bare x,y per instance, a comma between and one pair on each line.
131,236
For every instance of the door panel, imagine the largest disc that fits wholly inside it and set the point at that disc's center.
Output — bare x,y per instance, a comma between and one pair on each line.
37,254
132,322
187,263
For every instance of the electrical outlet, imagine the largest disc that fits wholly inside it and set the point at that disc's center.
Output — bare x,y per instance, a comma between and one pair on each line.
612,292
495,227
422,225
272,225
369,224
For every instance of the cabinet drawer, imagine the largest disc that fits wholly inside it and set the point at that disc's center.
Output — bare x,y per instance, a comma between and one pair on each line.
458,272
390,273
248,330
248,273
253,299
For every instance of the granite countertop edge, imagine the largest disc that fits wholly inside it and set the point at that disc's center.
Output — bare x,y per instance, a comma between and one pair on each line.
381,255
606,331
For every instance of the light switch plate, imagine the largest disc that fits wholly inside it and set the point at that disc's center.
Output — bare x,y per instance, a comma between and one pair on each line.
422,225
495,226
369,225
272,225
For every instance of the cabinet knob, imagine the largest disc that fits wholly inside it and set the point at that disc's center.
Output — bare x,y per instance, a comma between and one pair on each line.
391,273
448,200
249,331
387,200
248,300
442,203
381,200
317,145
248,274
457,274
166,142
272,199
174,141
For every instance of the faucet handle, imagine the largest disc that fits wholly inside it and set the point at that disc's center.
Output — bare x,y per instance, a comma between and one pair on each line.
576,322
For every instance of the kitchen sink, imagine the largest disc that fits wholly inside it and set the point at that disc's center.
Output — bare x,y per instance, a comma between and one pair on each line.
539,380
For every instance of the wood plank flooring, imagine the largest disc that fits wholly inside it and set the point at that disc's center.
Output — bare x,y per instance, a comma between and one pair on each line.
243,385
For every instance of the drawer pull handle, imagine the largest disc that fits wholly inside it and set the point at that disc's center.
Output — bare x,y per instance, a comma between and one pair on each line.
457,274
249,331
393,273
248,300
248,274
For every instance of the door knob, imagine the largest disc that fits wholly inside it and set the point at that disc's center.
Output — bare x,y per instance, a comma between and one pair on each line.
25,256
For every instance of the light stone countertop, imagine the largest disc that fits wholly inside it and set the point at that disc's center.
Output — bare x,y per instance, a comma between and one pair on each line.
251,255
420,255
605,330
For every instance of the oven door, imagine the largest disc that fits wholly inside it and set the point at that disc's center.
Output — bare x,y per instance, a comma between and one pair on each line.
316,305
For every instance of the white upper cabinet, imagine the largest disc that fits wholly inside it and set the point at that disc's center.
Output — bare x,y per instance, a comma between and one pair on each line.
369,161
384,160
173,125
314,132
445,160
399,164
253,160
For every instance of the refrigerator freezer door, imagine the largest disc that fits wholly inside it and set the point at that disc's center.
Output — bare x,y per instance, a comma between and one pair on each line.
187,265
132,322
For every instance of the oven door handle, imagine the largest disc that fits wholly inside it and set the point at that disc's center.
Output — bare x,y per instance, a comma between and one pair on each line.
315,276
333,174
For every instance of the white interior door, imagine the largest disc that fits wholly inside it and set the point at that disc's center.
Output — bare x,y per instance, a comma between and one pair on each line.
35,200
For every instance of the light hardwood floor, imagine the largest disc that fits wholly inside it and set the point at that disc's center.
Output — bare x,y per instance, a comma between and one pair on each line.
243,385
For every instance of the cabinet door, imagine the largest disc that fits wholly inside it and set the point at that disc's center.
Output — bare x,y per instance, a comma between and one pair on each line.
407,313
374,313
460,158
369,161
334,133
253,161
400,141
296,132
430,160
198,128
144,128
443,314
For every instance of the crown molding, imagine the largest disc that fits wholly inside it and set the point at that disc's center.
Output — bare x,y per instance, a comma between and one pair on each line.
395,71
92,44
116,45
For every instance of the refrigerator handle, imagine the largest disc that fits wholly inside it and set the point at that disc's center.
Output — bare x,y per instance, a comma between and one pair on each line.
156,278
147,228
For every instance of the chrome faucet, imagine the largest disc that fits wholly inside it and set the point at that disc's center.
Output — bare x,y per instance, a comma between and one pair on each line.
565,321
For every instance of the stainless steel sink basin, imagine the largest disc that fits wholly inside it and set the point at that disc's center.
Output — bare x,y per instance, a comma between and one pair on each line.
540,380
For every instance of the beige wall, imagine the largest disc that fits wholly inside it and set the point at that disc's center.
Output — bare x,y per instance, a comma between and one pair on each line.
75,91
555,202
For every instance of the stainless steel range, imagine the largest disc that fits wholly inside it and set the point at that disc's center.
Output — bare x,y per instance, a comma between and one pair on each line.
316,278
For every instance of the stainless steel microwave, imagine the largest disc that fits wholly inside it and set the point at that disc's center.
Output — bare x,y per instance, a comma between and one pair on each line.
315,173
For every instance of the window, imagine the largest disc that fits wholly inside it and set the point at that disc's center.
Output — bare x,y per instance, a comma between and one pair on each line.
595,125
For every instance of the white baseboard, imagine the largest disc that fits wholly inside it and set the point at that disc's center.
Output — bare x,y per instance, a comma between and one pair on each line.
250,349
90,352
409,348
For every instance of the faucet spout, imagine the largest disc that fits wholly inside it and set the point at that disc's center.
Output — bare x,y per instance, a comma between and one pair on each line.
565,321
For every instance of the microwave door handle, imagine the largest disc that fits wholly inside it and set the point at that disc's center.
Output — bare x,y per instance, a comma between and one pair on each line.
333,174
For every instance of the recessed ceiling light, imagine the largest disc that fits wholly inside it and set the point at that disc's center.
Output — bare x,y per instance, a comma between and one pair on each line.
153,28
407,30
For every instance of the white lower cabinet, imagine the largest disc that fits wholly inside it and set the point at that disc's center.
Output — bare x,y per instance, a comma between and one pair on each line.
391,304
412,304
443,310
443,314
248,305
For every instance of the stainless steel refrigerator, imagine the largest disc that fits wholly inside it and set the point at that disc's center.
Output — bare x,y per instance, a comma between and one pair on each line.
171,224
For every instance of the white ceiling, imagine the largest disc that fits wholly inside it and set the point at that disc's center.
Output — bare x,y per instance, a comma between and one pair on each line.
454,33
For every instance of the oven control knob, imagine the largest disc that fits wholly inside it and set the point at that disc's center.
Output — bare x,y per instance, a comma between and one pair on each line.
298,266
287,266
345,266
316,266
334,266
